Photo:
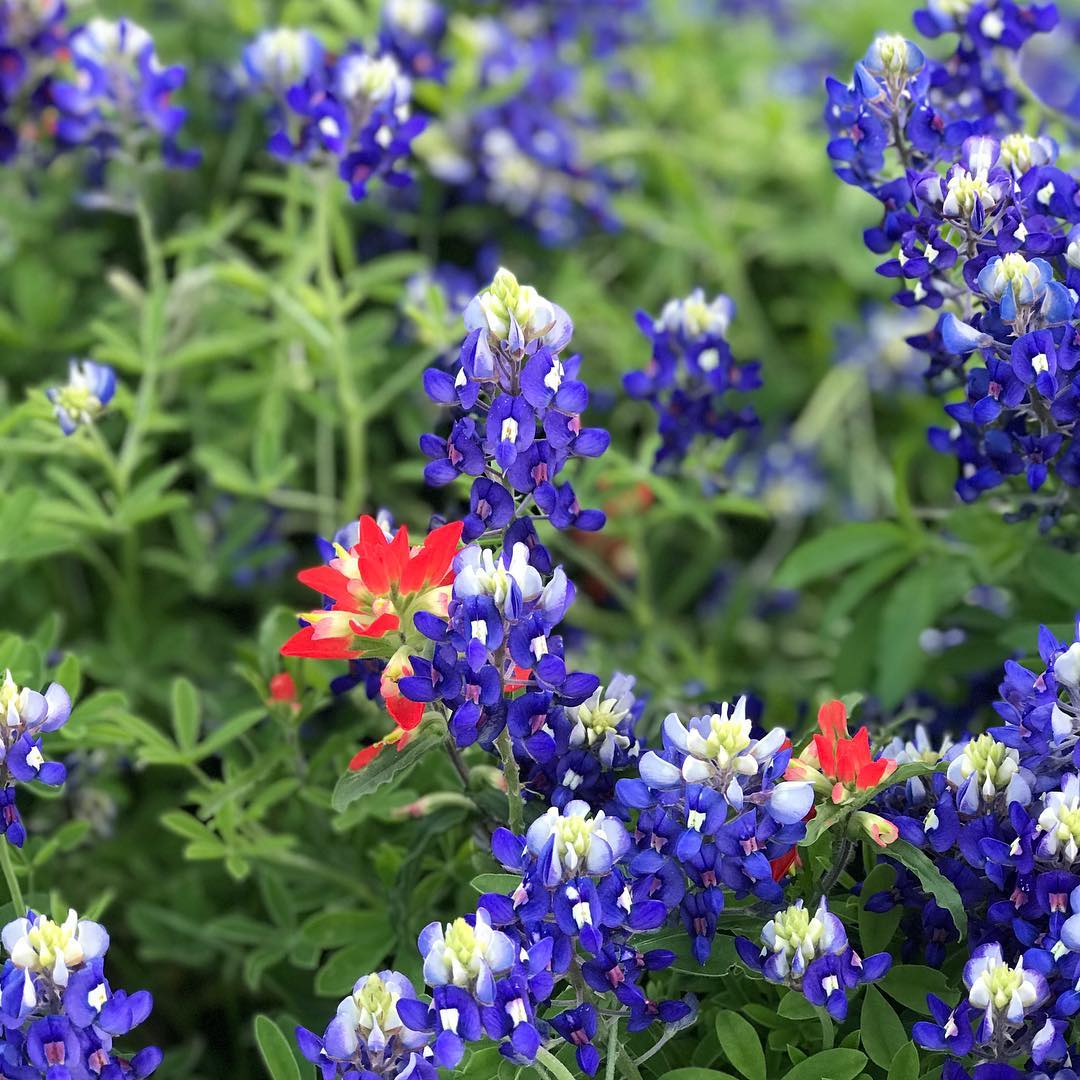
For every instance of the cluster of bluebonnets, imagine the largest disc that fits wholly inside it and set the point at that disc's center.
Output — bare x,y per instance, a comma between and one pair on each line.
99,87
513,137
59,1015
689,372
714,806
980,225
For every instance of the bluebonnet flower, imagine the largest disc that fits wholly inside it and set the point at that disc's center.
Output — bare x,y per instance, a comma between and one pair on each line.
60,1013
525,147
90,388
119,100
467,954
482,980
782,472
413,30
282,57
982,215
367,1037
578,1027
352,112
810,953
715,814
33,35
690,372
521,404
1004,993
27,716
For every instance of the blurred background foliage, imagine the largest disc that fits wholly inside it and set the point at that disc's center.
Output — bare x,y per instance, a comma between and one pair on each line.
197,819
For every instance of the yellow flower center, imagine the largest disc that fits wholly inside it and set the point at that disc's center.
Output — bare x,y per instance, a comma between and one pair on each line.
461,942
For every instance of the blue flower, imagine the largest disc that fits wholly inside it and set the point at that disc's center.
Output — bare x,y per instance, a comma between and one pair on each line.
1004,994
690,373
467,953
59,1011
121,93
453,1018
577,1026
27,715
575,841
351,112
282,57
950,1029
90,388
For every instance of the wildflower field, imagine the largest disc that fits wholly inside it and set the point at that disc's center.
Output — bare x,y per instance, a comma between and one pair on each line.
539,539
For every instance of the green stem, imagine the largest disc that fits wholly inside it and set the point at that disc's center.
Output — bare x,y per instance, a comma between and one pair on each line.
553,1065
630,1070
843,857
353,419
612,1049
458,761
152,332
12,880
514,804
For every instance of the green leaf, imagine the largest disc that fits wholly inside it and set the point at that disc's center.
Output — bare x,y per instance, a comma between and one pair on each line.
392,763
838,1064
793,1006
905,1064
882,1032
185,712
919,597
1057,572
276,1052
345,966
329,929
932,880
496,883
838,548
740,1044
910,983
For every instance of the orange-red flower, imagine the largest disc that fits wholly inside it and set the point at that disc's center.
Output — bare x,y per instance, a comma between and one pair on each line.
376,587
836,764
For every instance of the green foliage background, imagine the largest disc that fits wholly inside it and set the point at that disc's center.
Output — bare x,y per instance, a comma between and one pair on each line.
198,821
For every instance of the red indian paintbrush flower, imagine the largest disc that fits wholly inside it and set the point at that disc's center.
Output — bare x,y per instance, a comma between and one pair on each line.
840,766
376,587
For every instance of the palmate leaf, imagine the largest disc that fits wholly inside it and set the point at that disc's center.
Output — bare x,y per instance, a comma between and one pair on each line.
391,764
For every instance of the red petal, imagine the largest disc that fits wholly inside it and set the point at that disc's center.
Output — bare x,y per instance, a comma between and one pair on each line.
282,687
382,625
303,643
848,760
373,572
781,865
832,719
872,774
441,546
415,575
397,555
406,713
327,580
365,756
826,754
370,533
